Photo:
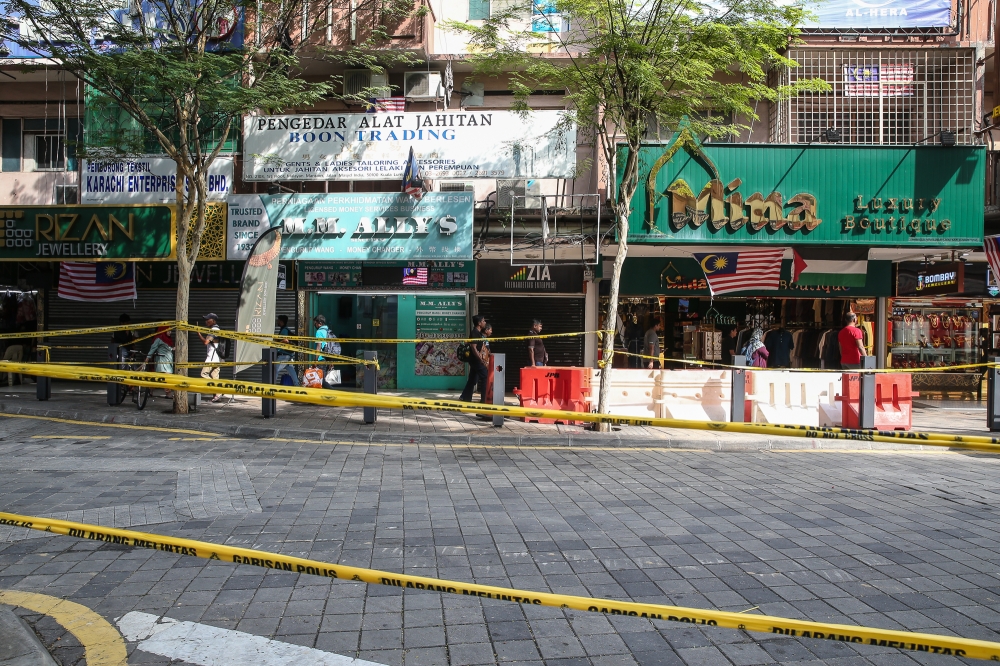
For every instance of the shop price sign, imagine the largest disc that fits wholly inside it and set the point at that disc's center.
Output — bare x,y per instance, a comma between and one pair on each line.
439,318
807,194
88,233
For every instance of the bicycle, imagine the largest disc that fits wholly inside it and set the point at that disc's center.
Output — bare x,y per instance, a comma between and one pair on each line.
134,361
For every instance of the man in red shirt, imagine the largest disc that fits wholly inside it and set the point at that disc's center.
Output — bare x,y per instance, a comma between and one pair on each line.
851,346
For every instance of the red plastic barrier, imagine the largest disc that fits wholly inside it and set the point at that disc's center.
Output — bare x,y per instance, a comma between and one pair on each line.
548,387
893,400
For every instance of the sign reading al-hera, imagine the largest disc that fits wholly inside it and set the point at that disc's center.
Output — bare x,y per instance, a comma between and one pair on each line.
88,233
879,14
817,194
355,226
375,146
499,276
147,180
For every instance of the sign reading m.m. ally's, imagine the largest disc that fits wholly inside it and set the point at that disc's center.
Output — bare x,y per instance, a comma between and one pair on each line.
88,233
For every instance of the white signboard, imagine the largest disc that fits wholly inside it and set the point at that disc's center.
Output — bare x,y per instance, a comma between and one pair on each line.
146,180
375,146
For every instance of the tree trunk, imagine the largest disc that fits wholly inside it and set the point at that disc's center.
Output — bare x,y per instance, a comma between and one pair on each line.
181,337
623,208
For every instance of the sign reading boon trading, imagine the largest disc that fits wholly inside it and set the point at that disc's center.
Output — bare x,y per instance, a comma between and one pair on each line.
87,233
880,14
354,226
374,146
146,180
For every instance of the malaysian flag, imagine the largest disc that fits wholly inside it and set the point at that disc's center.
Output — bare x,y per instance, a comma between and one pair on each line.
413,184
385,104
740,271
991,244
101,281
415,276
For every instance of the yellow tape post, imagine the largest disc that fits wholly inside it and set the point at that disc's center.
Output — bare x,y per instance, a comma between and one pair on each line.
333,398
904,640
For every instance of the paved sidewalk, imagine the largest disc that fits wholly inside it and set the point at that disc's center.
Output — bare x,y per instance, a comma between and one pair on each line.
295,420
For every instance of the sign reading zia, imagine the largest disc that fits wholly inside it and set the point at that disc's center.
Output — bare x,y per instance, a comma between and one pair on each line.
818,194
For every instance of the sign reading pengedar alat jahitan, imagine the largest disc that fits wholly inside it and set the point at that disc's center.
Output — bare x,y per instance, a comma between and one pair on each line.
375,146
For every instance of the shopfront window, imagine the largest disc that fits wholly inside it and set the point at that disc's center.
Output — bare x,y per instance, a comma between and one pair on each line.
925,334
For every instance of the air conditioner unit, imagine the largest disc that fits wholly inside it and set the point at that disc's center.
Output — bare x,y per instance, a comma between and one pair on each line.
507,190
422,85
356,81
473,94
456,187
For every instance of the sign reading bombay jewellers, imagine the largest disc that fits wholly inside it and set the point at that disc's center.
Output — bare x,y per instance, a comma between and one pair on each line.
88,233
818,194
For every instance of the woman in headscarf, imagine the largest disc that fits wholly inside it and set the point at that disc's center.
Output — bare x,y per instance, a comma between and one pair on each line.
756,352
162,352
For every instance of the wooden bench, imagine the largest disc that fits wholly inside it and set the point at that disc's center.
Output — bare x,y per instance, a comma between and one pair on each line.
946,382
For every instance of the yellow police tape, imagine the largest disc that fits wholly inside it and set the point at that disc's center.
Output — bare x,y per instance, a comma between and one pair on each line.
333,398
903,640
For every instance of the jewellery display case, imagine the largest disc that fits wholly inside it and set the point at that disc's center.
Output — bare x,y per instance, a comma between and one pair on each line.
930,337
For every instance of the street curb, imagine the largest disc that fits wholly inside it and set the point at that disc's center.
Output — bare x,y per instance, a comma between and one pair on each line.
19,646
704,442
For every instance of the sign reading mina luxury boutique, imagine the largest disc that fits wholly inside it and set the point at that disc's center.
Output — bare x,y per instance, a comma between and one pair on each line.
87,233
355,226
819,194
374,146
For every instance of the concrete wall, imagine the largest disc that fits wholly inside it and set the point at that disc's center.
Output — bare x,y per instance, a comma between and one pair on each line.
34,188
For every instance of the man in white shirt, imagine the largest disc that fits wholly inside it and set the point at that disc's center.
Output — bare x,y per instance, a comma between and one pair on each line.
211,343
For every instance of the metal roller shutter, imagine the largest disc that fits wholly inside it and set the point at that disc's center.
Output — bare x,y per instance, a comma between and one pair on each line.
152,305
512,315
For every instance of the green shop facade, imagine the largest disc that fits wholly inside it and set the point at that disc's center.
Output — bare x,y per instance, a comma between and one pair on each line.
856,211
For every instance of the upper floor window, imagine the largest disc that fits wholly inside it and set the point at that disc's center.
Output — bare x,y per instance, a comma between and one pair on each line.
479,10
39,144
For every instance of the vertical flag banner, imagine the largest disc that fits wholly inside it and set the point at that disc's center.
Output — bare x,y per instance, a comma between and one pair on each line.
258,292
413,184
104,281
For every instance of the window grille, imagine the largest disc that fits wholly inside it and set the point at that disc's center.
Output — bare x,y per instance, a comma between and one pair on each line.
879,96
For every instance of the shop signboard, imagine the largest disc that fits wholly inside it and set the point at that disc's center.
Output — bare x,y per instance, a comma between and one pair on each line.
355,226
879,14
498,276
88,233
375,146
683,277
147,180
953,278
439,317
387,274
808,194
204,275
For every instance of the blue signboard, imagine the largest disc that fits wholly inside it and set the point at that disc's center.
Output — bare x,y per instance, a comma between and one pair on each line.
862,14
356,226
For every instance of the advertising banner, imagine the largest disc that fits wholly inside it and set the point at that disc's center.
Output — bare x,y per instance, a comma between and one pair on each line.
354,226
880,14
439,317
87,233
146,180
374,146
255,313
808,194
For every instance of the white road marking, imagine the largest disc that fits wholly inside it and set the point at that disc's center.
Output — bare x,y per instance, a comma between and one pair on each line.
205,645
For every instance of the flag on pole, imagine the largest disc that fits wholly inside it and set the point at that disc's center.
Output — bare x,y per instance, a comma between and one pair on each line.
103,281
991,244
810,267
413,184
726,272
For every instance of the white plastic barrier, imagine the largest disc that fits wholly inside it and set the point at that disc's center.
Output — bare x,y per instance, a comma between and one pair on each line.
792,398
699,395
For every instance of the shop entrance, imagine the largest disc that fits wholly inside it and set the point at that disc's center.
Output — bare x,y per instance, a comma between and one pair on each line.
371,316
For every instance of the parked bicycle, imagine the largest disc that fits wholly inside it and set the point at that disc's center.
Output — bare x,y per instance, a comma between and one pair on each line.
134,361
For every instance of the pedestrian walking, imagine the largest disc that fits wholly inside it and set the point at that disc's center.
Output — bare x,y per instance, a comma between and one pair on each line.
14,354
211,343
651,344
124,338
477,365
755,351
852,346
284,356
536,348
161,353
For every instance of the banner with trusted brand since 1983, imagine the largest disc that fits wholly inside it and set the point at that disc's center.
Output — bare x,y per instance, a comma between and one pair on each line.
354,226
374,146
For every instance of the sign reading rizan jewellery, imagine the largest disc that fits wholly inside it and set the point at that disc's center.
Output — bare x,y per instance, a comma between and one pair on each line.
146,180
87,233
374,146
354,226
820,194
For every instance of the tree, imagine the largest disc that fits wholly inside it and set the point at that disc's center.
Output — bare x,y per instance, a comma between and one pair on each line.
632,67
177,76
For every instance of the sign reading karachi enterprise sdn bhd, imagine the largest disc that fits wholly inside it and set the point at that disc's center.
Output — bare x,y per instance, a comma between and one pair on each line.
354,226
375,146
